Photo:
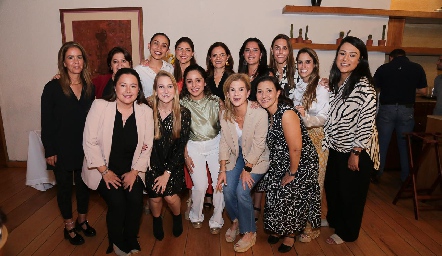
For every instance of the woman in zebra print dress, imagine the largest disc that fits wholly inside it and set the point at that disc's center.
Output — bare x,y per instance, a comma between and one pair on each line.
351,138
291,183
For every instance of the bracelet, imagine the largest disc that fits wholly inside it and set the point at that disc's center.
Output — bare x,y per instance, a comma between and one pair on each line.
169,172
292,174
221,171
105,172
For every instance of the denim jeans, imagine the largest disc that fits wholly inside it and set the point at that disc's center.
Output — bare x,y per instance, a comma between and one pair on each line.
239,203
401,119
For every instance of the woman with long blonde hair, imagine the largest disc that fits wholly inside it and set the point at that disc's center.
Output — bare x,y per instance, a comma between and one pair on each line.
165,179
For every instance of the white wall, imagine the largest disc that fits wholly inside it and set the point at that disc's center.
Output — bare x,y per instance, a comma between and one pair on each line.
31,36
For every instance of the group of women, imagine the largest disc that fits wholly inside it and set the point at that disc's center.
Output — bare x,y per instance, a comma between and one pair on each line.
266,129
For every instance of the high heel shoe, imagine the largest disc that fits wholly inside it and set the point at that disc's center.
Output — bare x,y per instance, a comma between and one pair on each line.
76,240
89,231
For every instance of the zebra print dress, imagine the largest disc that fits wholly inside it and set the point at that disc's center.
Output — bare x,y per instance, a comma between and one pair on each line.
288,208
351,121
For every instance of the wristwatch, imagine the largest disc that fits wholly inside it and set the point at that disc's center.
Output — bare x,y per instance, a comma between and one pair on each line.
247,168
355,152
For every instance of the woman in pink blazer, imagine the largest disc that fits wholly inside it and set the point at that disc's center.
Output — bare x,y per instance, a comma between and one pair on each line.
115,163
243,157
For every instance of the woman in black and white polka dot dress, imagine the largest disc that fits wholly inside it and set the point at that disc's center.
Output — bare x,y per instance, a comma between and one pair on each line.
291,183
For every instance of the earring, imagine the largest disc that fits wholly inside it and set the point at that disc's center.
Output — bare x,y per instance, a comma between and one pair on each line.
227,62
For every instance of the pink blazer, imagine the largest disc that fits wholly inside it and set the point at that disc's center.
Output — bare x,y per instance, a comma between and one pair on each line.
97,139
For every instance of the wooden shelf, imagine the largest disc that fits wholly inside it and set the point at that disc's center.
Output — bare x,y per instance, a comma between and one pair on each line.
397,20
385,49
429,17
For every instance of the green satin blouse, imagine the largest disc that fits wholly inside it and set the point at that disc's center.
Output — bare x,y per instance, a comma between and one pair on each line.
205,117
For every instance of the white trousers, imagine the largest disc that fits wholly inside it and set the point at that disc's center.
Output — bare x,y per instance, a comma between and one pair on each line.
203,152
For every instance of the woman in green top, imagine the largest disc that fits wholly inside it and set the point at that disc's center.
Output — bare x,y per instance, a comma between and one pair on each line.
203,145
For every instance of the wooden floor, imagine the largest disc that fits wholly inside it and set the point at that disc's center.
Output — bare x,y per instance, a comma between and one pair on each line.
35,227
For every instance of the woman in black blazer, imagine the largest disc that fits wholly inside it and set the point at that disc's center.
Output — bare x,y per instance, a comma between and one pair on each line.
65,103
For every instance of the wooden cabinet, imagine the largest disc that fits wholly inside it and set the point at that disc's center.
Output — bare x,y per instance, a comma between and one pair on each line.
396,24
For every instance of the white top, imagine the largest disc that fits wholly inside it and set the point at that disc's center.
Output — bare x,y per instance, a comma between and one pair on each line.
239,133
147,76
316,115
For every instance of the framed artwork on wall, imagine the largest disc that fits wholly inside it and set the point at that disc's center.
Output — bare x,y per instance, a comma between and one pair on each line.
98,30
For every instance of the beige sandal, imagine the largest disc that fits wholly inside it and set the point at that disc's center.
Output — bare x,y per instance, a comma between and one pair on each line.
308,236
231,234
242,246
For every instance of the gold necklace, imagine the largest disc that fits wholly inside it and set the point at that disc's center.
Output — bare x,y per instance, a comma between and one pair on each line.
76,83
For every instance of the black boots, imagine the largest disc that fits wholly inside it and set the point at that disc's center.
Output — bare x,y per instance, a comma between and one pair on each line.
177,225
158,232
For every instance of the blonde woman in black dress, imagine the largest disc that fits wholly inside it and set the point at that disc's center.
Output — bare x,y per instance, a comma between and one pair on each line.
165,179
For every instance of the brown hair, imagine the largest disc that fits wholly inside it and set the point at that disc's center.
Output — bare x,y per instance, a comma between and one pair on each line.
229,112
290,62
176,107
65,80
310,91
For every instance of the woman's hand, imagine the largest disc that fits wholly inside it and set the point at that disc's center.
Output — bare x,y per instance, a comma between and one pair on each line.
255,105
145,63
57,76
325,82
129,179
111,178
189,164
287,179
161,182
145,147
222,181
51,160
246,179
353,162
301,110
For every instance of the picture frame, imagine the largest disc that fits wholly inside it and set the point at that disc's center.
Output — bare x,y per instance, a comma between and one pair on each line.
98,30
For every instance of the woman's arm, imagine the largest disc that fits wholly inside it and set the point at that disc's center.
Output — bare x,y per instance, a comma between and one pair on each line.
48,123
142,163
260,128
321,108
292,133
91,145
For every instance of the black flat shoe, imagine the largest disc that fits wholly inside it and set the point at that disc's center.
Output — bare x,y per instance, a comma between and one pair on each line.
76,240
89,231
283,248
273,239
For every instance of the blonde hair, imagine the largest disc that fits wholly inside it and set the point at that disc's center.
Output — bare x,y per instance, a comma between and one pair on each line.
229,108
65,80
176,107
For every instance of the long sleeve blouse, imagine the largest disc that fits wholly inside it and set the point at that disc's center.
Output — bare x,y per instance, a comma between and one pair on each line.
351,121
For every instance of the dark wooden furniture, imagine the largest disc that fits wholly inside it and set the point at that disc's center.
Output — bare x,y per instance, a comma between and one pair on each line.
420,146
